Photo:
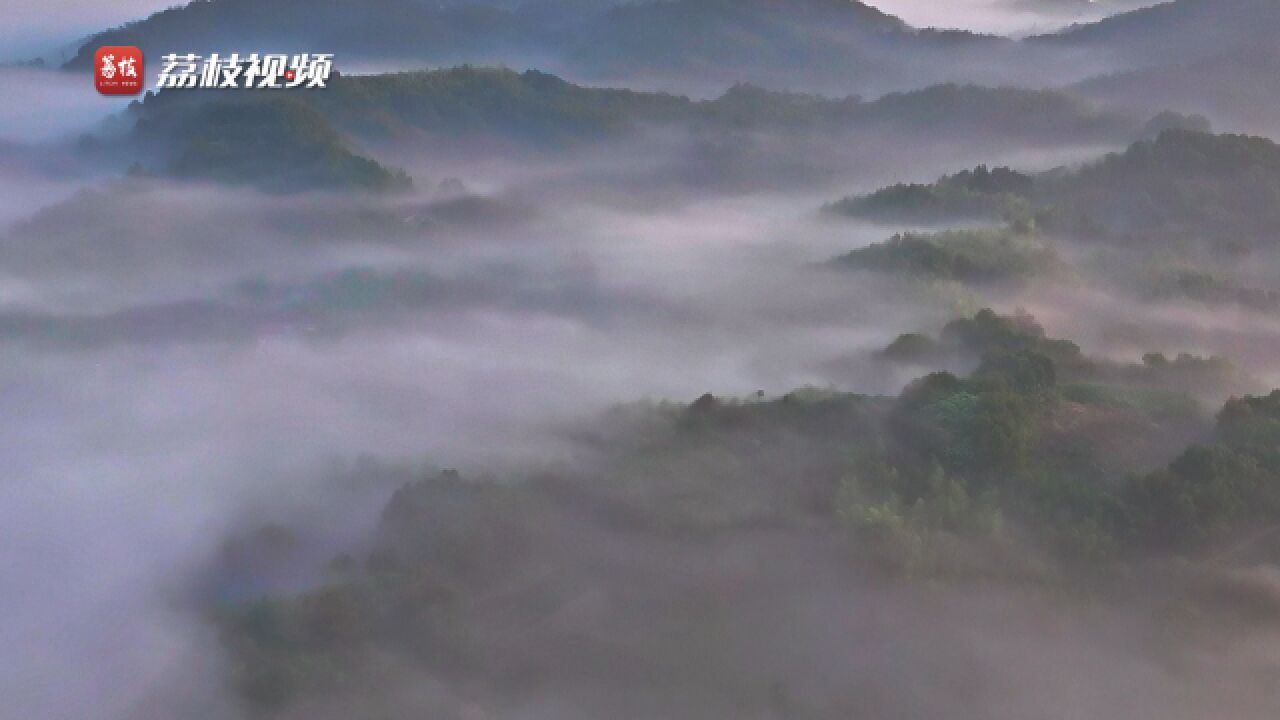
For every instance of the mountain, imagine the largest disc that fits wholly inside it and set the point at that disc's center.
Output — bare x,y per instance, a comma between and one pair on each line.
541,108
1177,31
1239,89
1187,55
978,257
1182,187
279,146
375,29
812,44
708,524
723,37
190,133
1215,57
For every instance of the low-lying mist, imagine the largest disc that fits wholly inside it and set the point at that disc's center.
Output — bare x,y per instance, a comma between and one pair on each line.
185,363
1006,16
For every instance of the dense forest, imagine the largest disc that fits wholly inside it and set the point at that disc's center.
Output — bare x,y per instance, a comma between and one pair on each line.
700,40
636,359
1037,468
1184,186
539,111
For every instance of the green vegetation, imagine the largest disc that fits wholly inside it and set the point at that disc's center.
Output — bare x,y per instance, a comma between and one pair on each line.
689,39
977,194
467,101
971,256
537,107
818,554
1212,289
276,145
270,144
912,348
911,532
1012,434
1006,473
988,335
1223,189
1184,187
1215,491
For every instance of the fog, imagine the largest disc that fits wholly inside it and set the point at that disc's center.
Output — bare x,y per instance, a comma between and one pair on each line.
1018,17
186,363
153,407
148,405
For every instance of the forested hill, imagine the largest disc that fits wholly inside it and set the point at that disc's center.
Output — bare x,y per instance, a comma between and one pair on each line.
540,111
825,43
1177,31
540,106
1014,474
1183,186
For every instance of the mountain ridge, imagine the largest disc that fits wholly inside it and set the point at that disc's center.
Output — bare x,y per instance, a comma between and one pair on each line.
818,44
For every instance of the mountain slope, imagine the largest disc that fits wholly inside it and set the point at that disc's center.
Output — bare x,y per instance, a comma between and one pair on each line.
1215,57
1175,32
533,111
380,28
1239,89
539,109
1191,187
826,44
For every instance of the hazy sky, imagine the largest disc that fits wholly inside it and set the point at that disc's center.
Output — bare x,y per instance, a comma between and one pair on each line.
34,28
1004,16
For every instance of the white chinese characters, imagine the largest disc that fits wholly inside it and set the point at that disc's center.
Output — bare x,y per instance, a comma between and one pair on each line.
124,67
249,72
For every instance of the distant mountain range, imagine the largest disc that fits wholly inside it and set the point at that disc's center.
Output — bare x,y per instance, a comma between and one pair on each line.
1167,55
1182,187
1240,89
1177,32
1212,57
825,45
297,140
1216,57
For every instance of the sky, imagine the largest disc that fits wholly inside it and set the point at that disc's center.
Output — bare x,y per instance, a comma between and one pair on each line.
1003,16
35,28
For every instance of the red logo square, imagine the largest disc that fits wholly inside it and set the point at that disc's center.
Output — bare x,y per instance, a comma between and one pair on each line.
117,70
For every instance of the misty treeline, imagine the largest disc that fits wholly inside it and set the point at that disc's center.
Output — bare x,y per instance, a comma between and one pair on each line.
1182,187
793,362
633,587
304,141
1198,55
643,580
802,42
